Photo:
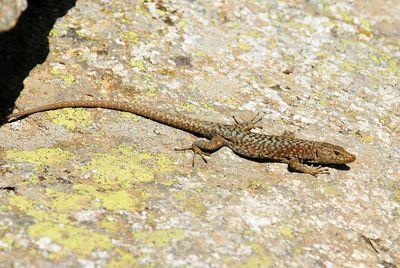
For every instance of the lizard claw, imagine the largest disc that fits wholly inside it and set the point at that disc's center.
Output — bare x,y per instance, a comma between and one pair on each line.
249,125
318,170
196,150
257,118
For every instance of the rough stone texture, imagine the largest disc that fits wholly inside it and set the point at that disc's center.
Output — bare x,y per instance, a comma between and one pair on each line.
9,13
102,188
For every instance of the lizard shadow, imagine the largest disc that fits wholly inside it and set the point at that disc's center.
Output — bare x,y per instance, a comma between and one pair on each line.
267,160
337,166
25,46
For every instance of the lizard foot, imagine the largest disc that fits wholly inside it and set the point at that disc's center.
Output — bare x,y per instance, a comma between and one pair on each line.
249,125
296,165
288,134
196,150
317,170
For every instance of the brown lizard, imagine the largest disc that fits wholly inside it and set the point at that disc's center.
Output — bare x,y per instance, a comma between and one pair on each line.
297,153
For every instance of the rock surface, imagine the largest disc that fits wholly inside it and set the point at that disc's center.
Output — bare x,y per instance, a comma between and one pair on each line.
9,13
98,188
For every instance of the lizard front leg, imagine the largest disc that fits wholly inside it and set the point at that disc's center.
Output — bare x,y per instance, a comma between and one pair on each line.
296,165
247,126
199,146
288,134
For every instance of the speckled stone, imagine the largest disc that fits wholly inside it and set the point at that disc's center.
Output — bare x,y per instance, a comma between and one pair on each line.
9,12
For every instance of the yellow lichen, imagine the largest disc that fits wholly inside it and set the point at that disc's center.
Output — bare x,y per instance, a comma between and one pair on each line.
29,206
366,138
54,33
165,164
167,71
191,203
41,157
126,259
52,215
78,239
138,64
133,200
256,184
66,202
129,36
231,101
151,91
70,118
188,107
112,226
160,238
122,200
134,117
257,259
244,46
32,180
122,167
181,24
69,79
59,228
285,230
200,53
6,242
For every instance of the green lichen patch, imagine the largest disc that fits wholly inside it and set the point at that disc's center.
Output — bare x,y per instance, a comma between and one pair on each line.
122,200
59,227
286,231
66,202
188,107
125,259
191,203
258,258
256,184
41,156
123,167
129,36
112,226
73,238
68,78
53,216
30,207
138,64
71,118
160,238
6,242
133,200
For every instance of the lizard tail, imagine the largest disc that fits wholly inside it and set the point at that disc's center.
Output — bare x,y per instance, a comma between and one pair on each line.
177,121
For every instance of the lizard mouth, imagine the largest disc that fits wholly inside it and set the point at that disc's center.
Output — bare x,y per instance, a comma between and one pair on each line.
349,158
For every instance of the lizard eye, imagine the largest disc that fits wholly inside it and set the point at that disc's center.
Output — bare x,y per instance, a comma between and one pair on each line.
337,153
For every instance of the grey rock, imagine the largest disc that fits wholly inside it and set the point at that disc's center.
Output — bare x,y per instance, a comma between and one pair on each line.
9,13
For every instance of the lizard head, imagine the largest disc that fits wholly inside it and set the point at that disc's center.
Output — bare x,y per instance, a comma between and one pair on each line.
332,154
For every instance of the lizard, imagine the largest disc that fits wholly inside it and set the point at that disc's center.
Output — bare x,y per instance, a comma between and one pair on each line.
299,154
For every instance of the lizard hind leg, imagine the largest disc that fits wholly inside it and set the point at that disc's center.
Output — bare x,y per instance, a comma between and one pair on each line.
199,146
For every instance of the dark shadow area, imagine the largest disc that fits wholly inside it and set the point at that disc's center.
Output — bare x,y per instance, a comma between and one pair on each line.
335,166
25,46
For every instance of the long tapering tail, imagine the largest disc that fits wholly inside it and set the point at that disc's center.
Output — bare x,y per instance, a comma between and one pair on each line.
178,121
